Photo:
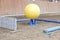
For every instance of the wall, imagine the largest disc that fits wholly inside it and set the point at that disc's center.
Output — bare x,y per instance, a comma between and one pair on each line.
17,6
10,7
46,6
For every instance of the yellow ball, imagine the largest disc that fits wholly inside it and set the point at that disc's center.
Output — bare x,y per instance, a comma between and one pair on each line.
32,11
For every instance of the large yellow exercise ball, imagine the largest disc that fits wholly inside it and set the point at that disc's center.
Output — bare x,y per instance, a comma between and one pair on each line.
32,11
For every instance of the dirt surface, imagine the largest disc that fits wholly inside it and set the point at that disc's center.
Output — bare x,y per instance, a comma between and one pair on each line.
26,32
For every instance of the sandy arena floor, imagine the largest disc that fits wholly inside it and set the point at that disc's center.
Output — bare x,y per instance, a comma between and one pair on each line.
25,32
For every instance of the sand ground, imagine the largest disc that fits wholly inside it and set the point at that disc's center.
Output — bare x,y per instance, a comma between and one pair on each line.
26,32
